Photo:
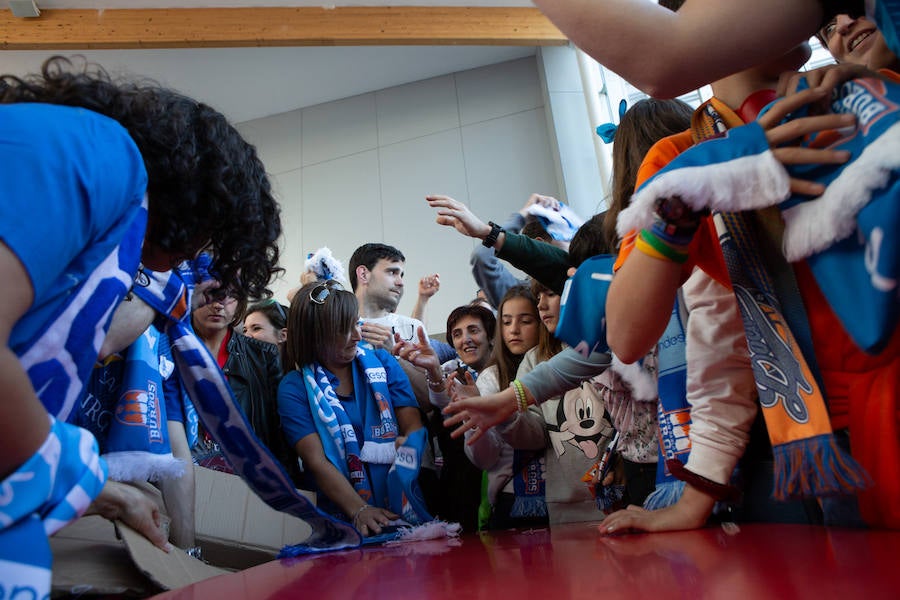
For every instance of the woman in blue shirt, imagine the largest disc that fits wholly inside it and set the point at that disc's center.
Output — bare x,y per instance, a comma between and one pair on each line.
344,405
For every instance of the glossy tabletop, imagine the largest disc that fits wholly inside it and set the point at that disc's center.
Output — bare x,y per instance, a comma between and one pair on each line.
574,561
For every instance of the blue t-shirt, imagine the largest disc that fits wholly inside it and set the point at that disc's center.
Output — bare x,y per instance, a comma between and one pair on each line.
296,415
72,182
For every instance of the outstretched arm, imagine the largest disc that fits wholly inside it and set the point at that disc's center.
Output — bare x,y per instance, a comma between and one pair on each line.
666,54
23,420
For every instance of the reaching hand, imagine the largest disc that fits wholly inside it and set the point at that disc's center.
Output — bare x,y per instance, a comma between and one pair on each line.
454,213
371,519
419,353
824,79
545,201
784,138
479,413
457,390
429,285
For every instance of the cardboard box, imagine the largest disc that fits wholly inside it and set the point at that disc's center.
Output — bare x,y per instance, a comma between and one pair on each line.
235,530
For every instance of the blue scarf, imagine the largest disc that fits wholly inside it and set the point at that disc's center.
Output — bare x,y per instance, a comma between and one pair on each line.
382,475
125,411
342,449
217,409
529,485
673,411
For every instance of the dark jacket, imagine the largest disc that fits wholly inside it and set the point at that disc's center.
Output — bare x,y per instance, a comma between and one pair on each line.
253,369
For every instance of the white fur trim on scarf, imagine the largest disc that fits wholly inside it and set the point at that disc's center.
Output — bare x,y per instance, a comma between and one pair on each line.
643,385
813,226
143,466
745,183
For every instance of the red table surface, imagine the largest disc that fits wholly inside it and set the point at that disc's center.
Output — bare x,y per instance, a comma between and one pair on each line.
574,561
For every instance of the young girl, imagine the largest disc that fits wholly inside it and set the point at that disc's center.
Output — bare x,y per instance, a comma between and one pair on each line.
570,428
515,479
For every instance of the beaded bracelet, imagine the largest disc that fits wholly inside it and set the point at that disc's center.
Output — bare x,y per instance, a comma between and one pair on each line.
436,386
521,398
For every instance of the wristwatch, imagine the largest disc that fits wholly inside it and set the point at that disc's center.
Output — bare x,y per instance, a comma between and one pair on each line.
491,239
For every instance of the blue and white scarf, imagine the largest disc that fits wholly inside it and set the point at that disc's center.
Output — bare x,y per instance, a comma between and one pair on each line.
125,411
220,414
673,410
342,449
369,466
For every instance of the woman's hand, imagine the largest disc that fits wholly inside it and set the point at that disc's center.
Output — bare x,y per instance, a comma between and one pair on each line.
370,519
419,353
784,138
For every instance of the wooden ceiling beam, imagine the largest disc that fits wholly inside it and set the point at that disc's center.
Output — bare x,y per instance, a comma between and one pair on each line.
277,26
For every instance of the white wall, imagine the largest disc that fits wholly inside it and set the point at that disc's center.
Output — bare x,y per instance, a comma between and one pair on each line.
357,170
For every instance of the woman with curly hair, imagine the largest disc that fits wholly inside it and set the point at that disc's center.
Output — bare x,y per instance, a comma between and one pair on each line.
96,177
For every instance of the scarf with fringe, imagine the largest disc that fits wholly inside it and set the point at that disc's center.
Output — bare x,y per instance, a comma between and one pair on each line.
738,172
365,466
218,411
382,474
125,411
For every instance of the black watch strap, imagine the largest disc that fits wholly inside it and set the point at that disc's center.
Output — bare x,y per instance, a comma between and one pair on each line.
491,238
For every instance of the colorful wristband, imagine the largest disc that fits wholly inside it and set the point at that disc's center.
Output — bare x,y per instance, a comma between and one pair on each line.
649,244
521,398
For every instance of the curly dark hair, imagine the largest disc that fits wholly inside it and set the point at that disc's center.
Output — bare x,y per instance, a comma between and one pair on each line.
206,183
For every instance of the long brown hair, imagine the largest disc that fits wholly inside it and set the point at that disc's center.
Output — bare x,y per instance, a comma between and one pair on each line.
642,125
508,363
548,345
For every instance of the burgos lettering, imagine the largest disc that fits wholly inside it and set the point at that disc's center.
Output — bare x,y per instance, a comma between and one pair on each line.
866,99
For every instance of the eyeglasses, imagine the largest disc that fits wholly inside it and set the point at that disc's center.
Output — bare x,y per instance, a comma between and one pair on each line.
320,293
